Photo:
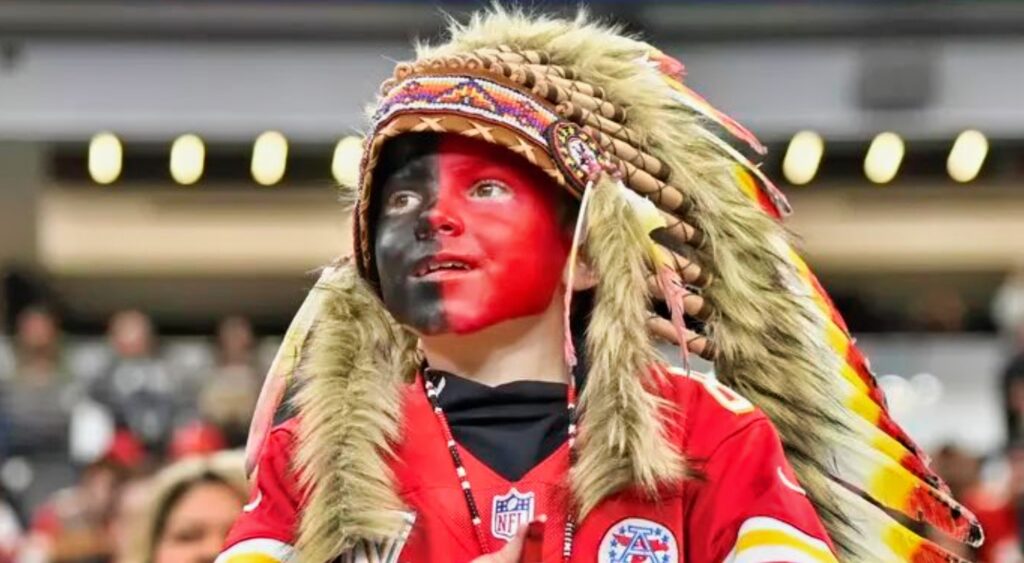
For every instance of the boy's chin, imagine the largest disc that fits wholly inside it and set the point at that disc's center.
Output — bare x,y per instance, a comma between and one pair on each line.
467,317
480,326
427,332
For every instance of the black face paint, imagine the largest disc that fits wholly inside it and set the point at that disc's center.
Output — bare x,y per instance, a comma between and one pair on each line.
408,163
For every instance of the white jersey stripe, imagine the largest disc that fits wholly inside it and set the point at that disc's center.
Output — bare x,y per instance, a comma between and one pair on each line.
789,484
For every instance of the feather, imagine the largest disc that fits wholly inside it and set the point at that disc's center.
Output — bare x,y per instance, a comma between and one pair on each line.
881,539
878,458
871,433
779,204
673,72
861,466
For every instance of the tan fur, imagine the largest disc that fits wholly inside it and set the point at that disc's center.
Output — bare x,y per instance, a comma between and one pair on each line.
350,405
622,440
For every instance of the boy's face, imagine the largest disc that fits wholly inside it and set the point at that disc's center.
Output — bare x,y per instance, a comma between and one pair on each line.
467,235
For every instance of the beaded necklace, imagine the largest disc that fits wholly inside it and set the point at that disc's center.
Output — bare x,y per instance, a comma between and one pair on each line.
460,469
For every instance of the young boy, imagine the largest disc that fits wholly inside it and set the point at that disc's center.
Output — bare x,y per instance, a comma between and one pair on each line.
486,359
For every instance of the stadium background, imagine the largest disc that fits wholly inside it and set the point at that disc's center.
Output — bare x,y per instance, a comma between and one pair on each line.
165,166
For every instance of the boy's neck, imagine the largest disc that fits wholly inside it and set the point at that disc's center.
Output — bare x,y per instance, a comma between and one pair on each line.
524,349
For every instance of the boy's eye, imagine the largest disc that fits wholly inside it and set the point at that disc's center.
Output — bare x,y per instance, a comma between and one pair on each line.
490,189
402,202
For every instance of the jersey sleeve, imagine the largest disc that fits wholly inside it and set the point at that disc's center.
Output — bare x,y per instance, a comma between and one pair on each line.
749,507
265,530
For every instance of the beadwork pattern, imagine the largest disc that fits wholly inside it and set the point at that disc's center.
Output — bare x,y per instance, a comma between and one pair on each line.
468,95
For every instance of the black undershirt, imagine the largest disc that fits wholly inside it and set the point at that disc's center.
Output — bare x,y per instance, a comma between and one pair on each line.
512,427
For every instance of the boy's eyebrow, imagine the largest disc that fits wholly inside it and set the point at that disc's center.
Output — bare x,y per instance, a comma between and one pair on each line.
481,167
417,170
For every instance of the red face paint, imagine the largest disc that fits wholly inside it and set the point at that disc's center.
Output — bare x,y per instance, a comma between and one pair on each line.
505,225
467,236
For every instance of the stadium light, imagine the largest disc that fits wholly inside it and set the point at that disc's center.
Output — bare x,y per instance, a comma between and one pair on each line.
803,156
967,155
105,158
345,164
884,157
269,158
188,155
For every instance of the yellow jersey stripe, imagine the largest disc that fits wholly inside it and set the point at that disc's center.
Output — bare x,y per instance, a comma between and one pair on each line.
258,550
761,538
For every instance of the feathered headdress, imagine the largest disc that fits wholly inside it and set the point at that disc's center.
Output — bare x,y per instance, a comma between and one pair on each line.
672,211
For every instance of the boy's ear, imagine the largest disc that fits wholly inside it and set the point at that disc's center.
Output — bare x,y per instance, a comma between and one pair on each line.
584,277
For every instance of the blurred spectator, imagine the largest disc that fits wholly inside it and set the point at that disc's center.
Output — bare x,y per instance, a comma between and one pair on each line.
72,527
940,310
125,450
230,391
1001,512
6,359
36,396
958,468
129,509
36,400
192,506
10,532
195,439
1013,389
138,388
1008,303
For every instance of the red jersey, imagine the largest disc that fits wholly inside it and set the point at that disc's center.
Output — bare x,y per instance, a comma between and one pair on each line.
998,517
746,506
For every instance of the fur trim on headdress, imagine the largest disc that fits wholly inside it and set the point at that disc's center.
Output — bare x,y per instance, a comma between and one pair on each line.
350,404
623,442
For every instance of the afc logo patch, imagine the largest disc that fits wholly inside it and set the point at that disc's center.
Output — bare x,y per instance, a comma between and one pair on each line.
509,511
636,540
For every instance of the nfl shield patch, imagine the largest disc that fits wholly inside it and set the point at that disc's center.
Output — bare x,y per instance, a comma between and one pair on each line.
636,540
509,511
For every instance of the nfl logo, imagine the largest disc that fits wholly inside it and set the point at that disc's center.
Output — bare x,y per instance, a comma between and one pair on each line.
509,511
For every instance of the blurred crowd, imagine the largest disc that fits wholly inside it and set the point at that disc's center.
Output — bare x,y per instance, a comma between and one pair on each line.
86,446
992,485
125,451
